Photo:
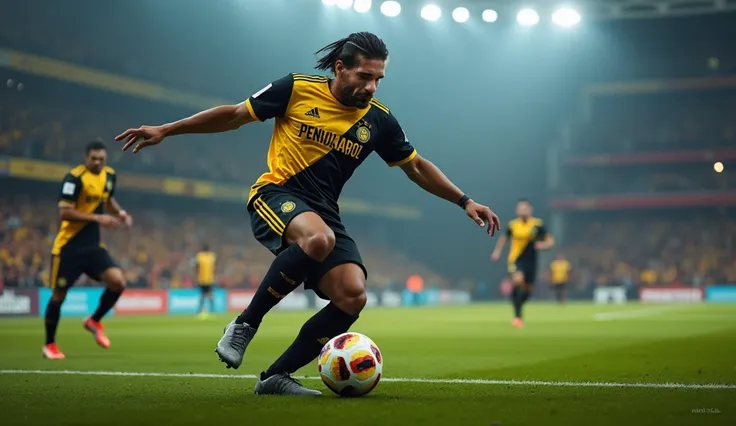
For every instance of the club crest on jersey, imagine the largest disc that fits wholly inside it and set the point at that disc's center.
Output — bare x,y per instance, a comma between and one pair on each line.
288,207
363,134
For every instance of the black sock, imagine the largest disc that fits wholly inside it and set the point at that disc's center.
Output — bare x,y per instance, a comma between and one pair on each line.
286,273
201,304
516,296
107,301
53,312
324,325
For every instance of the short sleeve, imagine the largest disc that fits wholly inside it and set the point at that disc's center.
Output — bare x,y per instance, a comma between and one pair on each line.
271,101
113,183
71,187
541,230
394,147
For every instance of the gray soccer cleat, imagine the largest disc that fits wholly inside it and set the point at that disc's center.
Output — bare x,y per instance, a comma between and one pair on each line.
231,346
283,384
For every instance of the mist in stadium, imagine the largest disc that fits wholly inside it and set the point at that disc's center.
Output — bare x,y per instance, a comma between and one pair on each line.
602,133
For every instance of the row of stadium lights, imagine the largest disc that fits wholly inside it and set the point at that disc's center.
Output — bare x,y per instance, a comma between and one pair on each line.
564,17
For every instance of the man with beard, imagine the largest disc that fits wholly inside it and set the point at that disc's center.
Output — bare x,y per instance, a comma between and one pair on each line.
324,129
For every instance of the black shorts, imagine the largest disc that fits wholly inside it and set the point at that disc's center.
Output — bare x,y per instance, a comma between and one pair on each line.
206,289
529,269
69,265
559,286
274,207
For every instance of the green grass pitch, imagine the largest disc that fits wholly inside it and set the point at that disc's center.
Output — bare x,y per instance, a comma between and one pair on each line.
571,365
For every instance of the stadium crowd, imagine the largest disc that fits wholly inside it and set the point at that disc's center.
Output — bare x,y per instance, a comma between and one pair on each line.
662,122
158,251
676,247
46,128
660,251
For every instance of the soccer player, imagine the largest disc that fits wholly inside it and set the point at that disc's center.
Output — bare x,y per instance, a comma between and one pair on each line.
86,192
205,264
324,129
528,236
560,269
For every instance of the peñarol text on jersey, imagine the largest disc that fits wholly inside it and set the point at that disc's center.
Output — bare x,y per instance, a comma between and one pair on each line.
318,142
331,140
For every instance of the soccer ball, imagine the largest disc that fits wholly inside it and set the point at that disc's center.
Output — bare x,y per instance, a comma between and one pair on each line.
350,364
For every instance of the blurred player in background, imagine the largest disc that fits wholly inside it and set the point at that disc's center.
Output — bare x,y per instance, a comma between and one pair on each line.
204,262
528,236
87,191
559,276
324,129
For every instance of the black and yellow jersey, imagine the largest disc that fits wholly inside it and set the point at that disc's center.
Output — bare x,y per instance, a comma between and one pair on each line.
87,193
560,271
523,234
205,261
318,142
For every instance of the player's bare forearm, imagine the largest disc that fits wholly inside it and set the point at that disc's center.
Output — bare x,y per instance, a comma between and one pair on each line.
114,208
500,245
71,214
219,119
430,178
546,244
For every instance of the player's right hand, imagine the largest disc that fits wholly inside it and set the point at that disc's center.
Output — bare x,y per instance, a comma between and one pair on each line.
150,135
107,221
495,256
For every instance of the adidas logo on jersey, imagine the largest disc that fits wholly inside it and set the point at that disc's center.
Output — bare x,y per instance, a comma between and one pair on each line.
314,112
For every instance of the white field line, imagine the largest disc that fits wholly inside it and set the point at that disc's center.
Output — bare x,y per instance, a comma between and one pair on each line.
639,313
389,379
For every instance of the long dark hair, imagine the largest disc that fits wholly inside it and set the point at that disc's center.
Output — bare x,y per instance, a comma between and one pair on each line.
347,50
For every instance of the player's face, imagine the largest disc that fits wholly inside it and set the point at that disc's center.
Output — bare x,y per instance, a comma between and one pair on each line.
524,209
96,160
358,84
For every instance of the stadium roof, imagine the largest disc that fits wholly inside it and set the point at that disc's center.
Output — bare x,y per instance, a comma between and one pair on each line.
595,9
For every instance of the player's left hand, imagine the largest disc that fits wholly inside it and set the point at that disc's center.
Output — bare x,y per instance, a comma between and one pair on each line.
127,219
542,245
482,215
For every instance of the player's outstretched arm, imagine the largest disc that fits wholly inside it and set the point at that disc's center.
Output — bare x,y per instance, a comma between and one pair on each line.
428,176
219,119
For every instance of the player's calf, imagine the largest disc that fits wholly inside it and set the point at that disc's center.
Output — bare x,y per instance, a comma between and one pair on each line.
311,240
51,323
344,285
115,282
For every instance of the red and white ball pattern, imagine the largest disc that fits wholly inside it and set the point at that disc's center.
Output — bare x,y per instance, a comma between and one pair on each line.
350,364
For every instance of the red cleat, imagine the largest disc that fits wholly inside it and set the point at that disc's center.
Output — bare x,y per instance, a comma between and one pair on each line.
51,351
98,330
518,323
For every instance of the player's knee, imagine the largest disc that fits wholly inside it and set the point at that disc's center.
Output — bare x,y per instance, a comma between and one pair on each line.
518,278
344,285
351,299
114,279
319,244
58,295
